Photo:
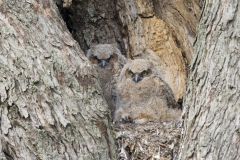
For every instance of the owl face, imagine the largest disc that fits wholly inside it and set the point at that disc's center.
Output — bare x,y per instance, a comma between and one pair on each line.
137,70
138,76
103,55
103,62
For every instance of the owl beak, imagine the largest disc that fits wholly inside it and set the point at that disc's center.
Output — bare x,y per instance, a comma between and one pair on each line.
103,63
137,78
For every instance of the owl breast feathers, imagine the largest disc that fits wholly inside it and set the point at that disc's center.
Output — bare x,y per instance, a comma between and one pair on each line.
142,95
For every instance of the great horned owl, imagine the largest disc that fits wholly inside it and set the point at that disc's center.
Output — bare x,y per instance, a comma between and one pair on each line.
143,96
109,61
169,76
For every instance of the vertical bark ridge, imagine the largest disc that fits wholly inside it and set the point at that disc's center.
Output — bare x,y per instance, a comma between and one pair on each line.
211,106
51,104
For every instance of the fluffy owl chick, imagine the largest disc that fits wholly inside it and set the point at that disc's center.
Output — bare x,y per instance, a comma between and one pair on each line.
143,96
109,61
106,56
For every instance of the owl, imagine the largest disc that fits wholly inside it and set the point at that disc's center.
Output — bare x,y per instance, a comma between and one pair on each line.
108,61
143,96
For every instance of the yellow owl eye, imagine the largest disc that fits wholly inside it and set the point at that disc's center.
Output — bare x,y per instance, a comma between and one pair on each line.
146,72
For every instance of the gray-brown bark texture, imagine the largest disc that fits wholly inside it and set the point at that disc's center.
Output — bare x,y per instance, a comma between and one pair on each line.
212,105
51,106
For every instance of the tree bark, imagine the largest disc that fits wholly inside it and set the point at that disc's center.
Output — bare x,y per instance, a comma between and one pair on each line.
51,105
212,105
182,16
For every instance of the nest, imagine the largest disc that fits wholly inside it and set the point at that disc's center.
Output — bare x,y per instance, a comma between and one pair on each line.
149,141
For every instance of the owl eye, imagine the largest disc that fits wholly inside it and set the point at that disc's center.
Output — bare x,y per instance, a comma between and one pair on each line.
109,59
114,57
130,73
146,73
94,59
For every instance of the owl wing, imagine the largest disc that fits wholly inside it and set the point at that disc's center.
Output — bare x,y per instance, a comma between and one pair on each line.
167,93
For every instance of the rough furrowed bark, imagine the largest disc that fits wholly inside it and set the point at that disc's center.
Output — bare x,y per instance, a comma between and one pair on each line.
212,105
51,106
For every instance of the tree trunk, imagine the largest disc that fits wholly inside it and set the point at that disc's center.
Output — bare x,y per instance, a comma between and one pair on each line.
212,105
51,106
